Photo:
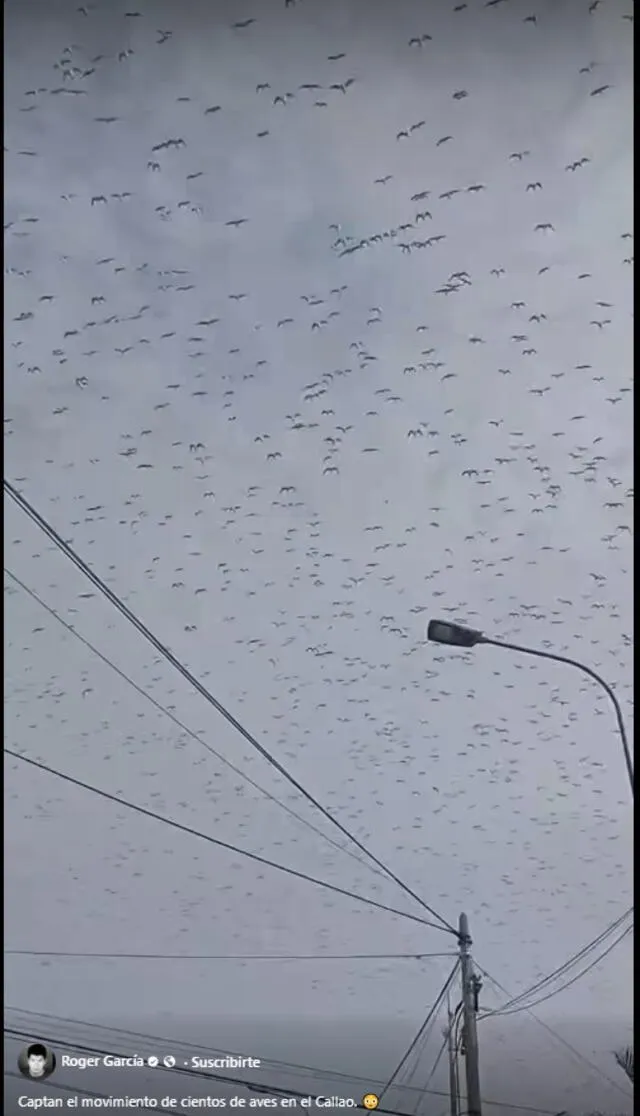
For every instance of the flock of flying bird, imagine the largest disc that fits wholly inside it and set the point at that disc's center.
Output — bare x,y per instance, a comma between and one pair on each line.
286,486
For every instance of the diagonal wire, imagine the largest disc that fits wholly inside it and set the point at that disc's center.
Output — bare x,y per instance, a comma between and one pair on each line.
558,1038
211,840
126,1036
425,1088
556,991
90,955
206,1075
452,1023
68,551
194,735
562,969
423,1027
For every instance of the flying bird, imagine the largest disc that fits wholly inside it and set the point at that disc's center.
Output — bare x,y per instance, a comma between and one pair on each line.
199,368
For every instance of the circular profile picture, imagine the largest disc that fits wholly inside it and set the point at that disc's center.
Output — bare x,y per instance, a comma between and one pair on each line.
36,1061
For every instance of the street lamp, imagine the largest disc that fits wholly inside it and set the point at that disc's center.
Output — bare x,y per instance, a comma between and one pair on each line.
456,635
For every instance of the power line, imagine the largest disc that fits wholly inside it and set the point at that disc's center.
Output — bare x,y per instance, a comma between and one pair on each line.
223,1079
158,1040
194,735
406,1083
438,1057
556,991
431,1014
212,840
453,1025
89,955
562,969
558,1038
172,1044
113,599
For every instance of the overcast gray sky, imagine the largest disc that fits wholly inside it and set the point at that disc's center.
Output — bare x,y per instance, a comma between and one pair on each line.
319,327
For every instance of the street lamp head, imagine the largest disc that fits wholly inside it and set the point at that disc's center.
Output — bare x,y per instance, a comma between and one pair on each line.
441,631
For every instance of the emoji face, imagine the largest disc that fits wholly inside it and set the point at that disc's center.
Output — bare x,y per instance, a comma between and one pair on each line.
370,1101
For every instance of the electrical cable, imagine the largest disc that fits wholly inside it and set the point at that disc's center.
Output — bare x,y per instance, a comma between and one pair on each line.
212,840
175,1045
206,1075
436,1063
194,735
20,1033
71,955
562,969
452,1035
156,1040
113,599
453,1022
558,1038
406,1081
423,1027
525,1007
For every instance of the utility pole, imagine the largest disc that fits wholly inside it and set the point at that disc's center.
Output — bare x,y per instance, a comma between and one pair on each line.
470,989
451,1050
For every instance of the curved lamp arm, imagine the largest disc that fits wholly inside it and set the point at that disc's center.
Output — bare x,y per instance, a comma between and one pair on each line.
456,635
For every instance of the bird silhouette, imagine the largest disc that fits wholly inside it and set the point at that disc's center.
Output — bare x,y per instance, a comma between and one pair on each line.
231,390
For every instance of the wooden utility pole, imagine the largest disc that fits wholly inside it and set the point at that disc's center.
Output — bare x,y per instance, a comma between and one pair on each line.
470,988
